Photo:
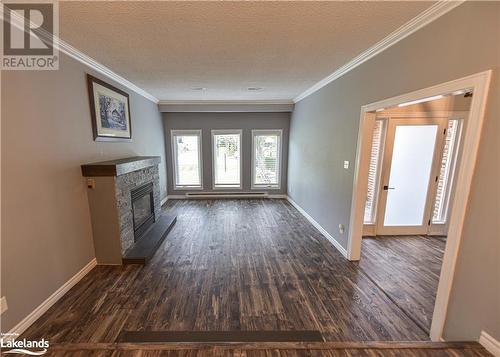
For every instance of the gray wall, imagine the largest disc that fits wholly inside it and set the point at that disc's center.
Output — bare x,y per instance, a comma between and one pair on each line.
245,121
323,133
46,135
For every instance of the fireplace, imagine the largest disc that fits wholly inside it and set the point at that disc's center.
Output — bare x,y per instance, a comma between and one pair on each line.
143,209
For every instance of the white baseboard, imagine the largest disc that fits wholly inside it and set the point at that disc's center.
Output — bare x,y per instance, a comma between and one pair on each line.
491,345
164,200
176,197
52,299
323,231
278,196
184,197
369,230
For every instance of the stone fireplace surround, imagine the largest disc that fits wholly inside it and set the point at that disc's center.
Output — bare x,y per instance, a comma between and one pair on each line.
124,184
109,191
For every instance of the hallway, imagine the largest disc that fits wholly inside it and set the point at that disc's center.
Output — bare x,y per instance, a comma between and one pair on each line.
407,269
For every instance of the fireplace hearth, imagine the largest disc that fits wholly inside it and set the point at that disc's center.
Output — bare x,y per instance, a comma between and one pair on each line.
128,224
143,209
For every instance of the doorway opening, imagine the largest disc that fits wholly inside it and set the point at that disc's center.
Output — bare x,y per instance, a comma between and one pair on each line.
412,169
414,166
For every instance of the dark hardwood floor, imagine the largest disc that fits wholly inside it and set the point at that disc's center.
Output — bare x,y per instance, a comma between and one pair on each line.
407,269
332,349
233,265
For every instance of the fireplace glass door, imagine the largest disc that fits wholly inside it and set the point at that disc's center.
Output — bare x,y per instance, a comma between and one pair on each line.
142,209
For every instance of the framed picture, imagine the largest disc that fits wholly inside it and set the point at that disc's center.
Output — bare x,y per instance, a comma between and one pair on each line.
110,111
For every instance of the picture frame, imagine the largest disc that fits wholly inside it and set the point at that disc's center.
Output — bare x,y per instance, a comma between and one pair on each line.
109,111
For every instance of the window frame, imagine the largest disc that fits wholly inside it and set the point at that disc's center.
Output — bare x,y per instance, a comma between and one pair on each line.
215,132
378,174
451,174
259,132
186,132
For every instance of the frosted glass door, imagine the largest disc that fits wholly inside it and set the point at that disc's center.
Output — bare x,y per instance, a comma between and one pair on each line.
411,166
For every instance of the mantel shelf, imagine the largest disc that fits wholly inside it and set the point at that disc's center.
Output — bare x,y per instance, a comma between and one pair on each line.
120,166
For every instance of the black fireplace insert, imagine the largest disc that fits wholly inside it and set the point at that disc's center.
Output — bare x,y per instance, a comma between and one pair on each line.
143,209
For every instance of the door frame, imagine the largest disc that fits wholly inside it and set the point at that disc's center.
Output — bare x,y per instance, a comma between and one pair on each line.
479,83
386,162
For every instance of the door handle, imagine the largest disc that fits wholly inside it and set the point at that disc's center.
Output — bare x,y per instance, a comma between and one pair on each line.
389,188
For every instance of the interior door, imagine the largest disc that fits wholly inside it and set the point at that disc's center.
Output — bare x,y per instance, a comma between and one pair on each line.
410,165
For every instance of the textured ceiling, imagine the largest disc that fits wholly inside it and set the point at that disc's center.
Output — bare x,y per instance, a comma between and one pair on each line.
169,48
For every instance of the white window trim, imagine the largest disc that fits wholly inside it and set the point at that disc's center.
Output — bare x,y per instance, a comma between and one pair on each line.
385,124
256,132
227,131
451,174
182,132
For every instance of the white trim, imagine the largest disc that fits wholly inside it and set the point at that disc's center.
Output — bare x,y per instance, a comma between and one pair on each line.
318,227
450,176
256,132
189,132
164,200
378,175
102,69
239,132
432,13
448,114
278,196
52,299
81,57
429,15
437,229
491,345
176,197
217,195
369,229
226,106
226,102
479,83
439,124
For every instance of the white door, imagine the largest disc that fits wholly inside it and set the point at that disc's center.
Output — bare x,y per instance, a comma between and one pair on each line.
409,172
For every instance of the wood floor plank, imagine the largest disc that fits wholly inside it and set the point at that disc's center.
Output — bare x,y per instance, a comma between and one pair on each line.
371,349
407,269
230,265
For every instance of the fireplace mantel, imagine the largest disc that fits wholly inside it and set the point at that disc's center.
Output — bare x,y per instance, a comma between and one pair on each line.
115,189
120,166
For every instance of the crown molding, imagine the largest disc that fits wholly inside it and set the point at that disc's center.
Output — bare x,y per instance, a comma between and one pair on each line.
424,18
224,102
432,13
488,342
221,106
81,57
64,47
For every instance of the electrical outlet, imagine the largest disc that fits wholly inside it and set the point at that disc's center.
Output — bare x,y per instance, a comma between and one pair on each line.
3,305
346,164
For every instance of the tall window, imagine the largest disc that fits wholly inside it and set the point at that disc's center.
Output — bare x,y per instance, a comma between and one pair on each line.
446,173
374,171
186,151
226,164
266,158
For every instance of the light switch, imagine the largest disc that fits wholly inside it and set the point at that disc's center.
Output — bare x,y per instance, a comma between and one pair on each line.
341,229
346,164
90,183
